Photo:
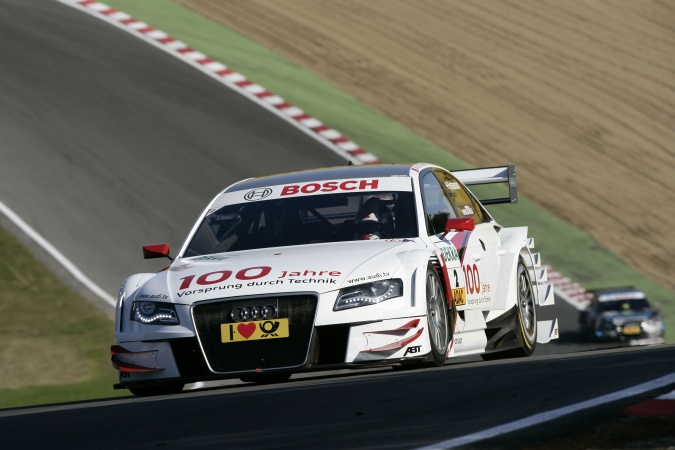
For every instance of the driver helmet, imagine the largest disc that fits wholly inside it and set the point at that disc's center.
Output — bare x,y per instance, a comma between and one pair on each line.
372,220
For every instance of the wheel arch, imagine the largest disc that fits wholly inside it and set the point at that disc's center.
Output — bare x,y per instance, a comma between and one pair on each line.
515,245
416,263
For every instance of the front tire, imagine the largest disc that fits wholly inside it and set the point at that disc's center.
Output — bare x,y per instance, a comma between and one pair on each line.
527,312
437,318
526,319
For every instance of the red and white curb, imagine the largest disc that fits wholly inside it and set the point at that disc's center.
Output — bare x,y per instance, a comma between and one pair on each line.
331,138
570,291
663,405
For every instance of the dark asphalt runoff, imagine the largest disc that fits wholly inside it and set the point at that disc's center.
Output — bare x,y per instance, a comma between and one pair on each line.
382,409
108,143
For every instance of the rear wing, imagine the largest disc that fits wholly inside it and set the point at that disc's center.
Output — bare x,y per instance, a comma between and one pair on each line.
491,175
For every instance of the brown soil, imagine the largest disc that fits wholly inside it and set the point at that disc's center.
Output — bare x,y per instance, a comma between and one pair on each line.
579,94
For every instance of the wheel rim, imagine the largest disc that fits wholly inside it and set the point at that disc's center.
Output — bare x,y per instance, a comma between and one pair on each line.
436,316
526,306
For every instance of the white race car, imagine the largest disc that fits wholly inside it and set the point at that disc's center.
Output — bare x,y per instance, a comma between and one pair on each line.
350,266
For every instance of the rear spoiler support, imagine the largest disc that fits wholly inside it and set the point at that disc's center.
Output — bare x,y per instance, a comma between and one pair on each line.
491,175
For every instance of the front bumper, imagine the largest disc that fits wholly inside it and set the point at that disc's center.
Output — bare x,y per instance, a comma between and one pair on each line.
631,333
205,357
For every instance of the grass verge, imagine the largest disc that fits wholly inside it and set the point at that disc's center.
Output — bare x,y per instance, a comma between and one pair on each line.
54,343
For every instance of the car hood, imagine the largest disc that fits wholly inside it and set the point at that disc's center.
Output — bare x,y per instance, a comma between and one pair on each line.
312,268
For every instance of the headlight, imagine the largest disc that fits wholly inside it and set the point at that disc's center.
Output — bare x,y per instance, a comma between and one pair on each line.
368,294
154,313
652,325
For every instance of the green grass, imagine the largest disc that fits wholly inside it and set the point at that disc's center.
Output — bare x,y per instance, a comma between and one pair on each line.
54,344
570,251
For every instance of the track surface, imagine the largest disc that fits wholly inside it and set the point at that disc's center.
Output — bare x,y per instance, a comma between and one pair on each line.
381,409
109,144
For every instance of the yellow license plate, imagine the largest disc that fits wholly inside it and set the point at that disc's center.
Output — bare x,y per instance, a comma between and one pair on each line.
459,296
632,330
253,331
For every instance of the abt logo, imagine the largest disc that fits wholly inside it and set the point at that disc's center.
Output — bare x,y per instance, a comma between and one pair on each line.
412,350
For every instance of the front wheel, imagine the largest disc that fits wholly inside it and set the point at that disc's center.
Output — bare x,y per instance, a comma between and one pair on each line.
437,318
527,312
526,319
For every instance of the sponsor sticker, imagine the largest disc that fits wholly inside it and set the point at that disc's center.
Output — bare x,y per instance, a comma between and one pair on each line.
449,252
451,185
258,194
459,296
368,278
213,257
330,186
153,297
419,167
467,210
324,187
631,330
254,331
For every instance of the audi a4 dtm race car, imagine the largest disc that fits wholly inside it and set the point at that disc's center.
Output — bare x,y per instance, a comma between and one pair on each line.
351,266
622,314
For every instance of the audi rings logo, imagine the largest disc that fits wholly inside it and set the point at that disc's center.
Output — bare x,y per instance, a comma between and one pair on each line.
250,313
258,194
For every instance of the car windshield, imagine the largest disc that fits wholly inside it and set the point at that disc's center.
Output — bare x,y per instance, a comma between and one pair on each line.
305,220
628,305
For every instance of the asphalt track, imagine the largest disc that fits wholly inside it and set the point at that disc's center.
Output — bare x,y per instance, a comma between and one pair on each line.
379,409
109,144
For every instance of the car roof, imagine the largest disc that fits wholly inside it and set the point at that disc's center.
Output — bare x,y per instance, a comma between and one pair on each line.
624,293
329,173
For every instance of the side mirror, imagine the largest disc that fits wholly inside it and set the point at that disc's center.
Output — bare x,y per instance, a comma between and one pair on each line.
156,251
458,224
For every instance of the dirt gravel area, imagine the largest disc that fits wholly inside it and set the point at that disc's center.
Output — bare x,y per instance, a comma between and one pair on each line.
579,94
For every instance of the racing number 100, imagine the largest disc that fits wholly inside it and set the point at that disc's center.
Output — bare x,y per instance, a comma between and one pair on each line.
221,275
472,277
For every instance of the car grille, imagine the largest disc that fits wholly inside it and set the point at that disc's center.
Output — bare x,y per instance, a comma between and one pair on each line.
261,354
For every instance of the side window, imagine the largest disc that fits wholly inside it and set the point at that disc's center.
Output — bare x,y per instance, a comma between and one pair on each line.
437,207
466,205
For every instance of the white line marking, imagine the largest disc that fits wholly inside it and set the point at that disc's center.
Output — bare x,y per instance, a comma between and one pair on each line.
57,255
551,415
668,396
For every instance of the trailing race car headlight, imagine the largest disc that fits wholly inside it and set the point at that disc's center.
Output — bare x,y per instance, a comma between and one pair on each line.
368,294
652,325
607,323
154,313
